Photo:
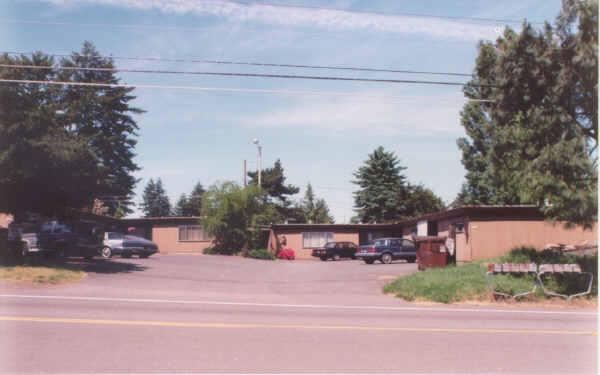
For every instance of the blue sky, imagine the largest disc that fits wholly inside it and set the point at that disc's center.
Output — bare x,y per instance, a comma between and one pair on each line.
321,135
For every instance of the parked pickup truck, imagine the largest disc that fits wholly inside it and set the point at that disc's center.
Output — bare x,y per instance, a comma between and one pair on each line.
60,239
387,250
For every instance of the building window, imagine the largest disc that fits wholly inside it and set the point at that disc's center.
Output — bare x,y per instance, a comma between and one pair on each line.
460,227
192,233
315,239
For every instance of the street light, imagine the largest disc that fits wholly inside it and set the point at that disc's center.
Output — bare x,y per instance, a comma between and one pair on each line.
255,141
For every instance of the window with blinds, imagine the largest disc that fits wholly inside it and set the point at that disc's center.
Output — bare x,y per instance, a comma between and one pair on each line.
192,233
316,239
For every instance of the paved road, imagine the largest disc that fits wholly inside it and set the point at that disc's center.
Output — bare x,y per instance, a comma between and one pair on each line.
171,314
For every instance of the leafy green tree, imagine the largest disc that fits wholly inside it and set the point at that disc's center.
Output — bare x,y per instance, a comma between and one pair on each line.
381,187
232,215
420,201
155,202
536,142
43,167
102,116
275,190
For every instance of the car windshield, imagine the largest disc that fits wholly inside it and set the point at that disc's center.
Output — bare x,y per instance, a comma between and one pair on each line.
379,242
329,245
114,236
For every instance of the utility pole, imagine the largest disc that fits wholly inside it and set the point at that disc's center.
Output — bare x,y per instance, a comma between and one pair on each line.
256,142
244,176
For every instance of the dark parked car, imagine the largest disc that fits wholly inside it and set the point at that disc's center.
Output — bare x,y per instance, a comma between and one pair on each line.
388,249
126,246
336,250
74,238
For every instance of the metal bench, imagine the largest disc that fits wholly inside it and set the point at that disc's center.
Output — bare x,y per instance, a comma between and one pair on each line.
563,268
500,268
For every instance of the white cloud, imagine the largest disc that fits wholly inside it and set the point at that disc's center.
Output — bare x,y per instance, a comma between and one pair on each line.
417,116
331,20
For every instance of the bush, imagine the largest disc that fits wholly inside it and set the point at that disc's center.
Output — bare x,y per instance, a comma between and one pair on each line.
560,283
219,250
260,254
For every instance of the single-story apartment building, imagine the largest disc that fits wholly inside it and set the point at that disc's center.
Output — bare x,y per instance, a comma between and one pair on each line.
478,232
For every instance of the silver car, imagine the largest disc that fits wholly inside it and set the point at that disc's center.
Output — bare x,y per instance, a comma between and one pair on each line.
126,246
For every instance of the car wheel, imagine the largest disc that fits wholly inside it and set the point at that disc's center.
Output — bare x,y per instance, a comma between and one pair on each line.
369,261
412,260
106,252
335,257
144,256
386,258
25,249
60,252
324,259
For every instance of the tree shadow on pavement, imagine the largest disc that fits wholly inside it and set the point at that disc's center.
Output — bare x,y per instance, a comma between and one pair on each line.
103,266
93,265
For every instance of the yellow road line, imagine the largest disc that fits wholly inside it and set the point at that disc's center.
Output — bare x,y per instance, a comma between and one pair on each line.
288,326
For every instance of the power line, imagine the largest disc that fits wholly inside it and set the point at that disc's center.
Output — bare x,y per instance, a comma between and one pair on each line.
254,75
222,89
261,64
387,14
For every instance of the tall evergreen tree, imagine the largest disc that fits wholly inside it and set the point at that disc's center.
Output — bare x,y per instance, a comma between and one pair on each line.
155,202
536,141
275,190
381,186
190,205
103,116
43,167
314,210
180,208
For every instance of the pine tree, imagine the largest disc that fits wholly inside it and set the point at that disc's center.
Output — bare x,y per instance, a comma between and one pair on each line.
181,206
381,186
314,210
102,115
155,201
44,168
275,191
536,142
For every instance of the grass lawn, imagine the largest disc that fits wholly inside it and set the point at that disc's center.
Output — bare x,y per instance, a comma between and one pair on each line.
468,283
40,273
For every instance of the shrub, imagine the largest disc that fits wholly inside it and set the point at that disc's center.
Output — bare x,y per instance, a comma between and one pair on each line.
260,254
219,250
560,283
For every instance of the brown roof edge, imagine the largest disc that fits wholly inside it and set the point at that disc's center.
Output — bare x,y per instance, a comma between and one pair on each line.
334,226
162,219
524,210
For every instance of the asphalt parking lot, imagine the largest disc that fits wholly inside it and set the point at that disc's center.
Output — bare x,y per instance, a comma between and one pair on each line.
236,278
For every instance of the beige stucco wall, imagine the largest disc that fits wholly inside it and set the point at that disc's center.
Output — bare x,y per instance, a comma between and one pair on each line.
490,239
294,240
167,238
